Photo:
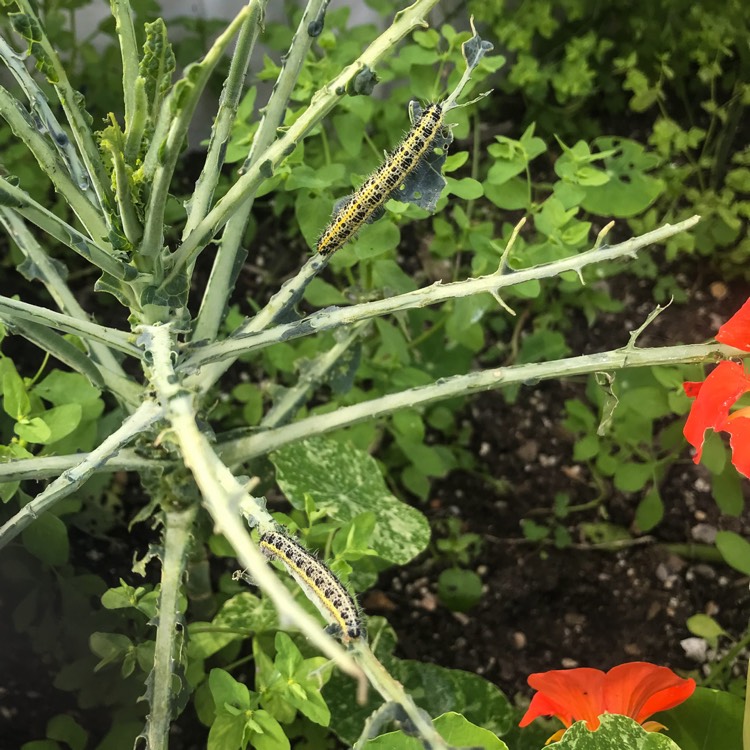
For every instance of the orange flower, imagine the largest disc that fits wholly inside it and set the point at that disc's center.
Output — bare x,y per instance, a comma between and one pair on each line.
715,396
637,690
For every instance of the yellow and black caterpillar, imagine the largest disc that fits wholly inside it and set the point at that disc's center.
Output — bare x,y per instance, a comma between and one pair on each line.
362,206
320,585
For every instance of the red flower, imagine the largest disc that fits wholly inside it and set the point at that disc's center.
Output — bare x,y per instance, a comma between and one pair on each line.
715,396
637,690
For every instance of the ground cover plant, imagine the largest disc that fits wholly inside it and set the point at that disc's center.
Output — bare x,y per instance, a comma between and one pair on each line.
146,386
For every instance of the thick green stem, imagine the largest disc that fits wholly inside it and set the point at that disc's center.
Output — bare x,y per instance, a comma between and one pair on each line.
11,309
393,691
76,116
230,253
200,200
53,167
248,337
188,91
178,527
89,250
43,467
234,452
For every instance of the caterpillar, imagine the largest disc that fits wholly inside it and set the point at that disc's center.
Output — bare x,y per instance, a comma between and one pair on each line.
365,205
320,585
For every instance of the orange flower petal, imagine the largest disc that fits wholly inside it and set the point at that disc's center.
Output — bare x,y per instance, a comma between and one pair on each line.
639,689
736,331
692,389
726,383
569,694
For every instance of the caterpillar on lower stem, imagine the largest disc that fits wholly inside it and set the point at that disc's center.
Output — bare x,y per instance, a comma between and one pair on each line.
320,585
354,212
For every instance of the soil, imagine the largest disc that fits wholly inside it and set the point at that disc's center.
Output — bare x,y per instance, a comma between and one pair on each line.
587,604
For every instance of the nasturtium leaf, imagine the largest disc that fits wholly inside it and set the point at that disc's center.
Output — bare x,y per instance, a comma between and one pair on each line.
735,550
344,481
435,689
47,539
708,720
459,589
615,733
452,727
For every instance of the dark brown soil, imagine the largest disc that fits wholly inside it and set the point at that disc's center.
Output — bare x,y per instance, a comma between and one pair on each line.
586,605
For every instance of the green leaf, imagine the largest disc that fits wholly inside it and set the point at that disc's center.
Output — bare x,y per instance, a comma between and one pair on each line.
630,190
735,550
708,720
33,430
225,690
586,448
239,614
452,727
615,733
71,388
632,477
67,730
511,195
47,539
465,188
726,489
15,399
344,481
435,689
376,239
61,421
109,647
650,510
459,589
321,294
706,627
227,732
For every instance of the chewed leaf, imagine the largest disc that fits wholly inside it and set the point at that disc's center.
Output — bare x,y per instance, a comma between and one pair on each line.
475,49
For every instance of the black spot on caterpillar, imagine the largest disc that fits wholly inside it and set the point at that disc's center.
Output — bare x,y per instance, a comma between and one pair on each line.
320,585
368,201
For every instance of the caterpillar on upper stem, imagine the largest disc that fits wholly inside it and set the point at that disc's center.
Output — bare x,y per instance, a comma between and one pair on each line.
402,175
366,204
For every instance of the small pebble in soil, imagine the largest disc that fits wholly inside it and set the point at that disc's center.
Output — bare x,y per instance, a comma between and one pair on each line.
568,663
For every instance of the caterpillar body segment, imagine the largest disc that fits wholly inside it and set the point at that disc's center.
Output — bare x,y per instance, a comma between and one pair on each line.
320,585
367,203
